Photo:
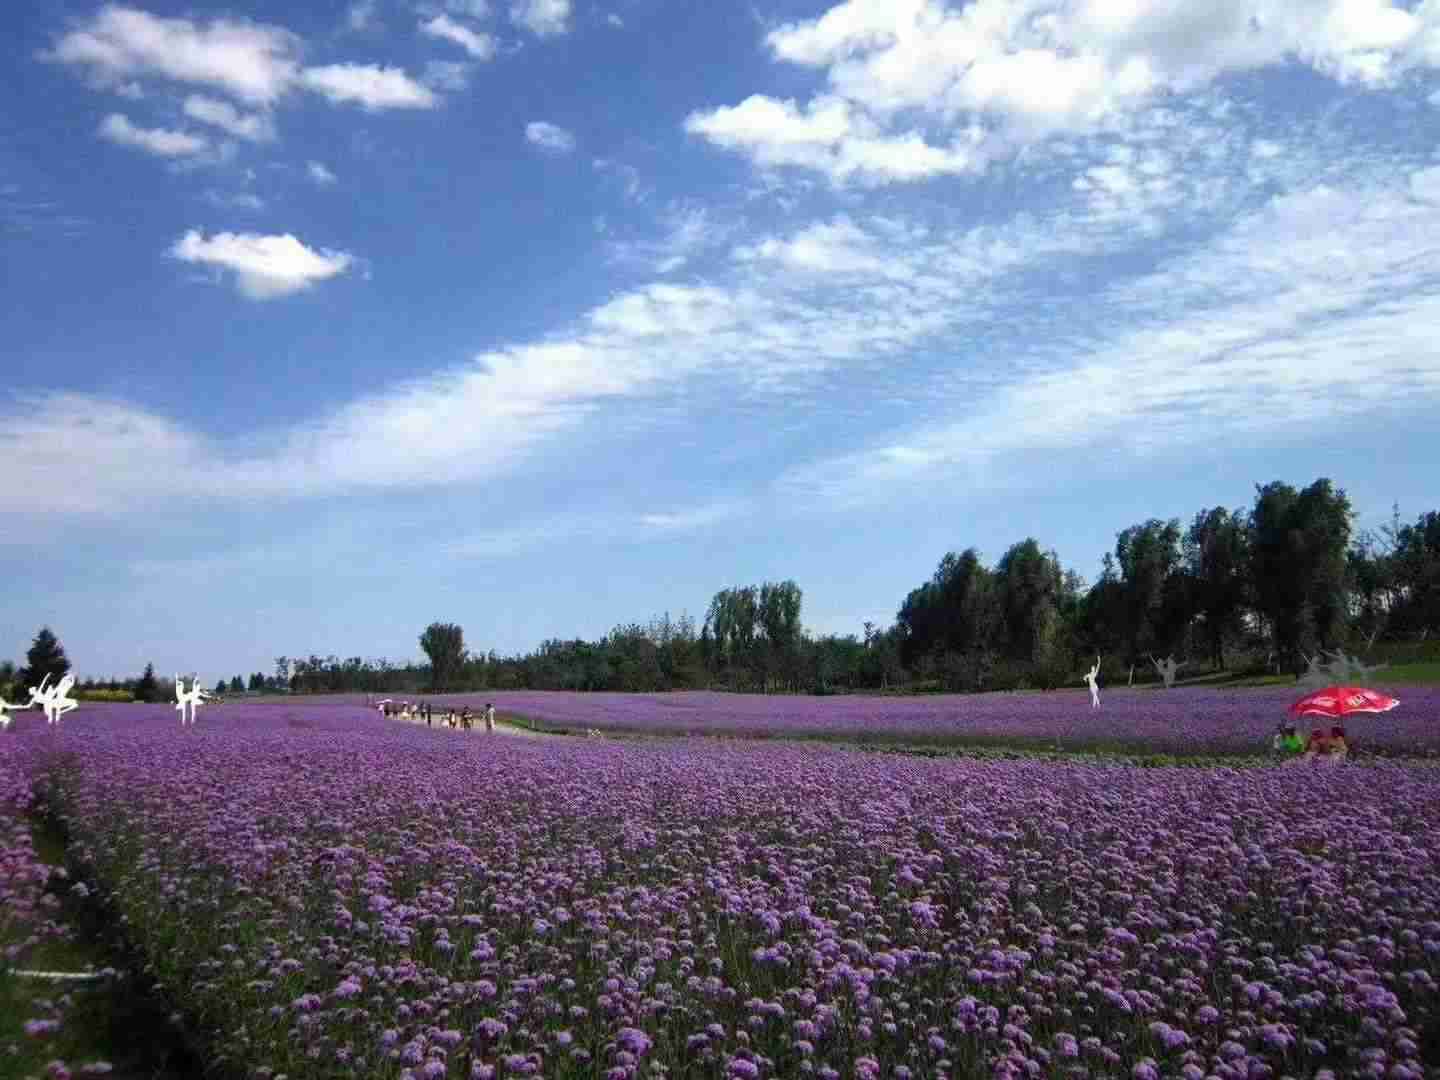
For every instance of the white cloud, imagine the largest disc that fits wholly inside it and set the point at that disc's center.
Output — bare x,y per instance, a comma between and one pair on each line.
919,88
1301,315
240,200
478,44
90,454
451,76
132,91
615,20
542,17
474,9
830,136
264,266
693,518
594,527
361,15
158,141
549,137
368,85
255,127
635,189
319,174
837,247
687,231
253,61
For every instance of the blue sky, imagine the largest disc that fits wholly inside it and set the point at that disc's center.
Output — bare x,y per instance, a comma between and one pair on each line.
325,321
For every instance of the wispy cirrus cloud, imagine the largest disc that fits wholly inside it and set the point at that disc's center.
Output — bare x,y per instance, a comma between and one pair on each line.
543,18
1304,313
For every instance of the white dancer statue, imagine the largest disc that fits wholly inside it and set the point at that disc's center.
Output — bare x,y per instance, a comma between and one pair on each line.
194,698
489,717
1167,669
1090,677
55,701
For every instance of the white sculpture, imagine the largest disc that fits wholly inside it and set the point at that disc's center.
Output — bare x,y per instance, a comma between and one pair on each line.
1341,669
5,706
55,701
489,717
194,698
1167,669
1094,686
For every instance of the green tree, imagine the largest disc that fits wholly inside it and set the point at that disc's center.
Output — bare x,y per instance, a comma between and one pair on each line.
1216,559
147,688
444,644
1298,544
220,686
1149,558
1029,584
1417,576
779,616
237,685
257,682
46,656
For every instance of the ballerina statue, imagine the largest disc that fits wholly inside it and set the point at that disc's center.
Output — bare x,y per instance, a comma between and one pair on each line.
1167,670
55,701
5,707
194,698
1090,680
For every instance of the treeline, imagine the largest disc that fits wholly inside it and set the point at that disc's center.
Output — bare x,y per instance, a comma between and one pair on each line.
1258,587
1268,585
1262,587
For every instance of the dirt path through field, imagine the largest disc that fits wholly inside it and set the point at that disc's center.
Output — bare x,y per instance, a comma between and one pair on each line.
502,727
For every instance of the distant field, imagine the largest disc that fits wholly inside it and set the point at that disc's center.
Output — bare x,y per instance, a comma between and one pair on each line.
1185,720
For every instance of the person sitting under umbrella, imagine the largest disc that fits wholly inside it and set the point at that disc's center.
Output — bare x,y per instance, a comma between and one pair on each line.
1338,748
1318,745
1287,742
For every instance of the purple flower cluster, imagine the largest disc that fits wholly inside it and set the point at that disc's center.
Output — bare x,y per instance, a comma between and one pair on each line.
1183,720
345,896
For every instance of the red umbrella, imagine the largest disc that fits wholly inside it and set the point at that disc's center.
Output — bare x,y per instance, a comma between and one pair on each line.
1336,702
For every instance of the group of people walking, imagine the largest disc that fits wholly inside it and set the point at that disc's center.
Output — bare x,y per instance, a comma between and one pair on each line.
463,718
1329,748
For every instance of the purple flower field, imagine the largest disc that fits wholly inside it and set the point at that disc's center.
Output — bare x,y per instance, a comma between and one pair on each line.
1183,720
331,894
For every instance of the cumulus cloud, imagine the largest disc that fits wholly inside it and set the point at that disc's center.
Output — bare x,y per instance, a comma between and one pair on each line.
158,141
831,136
255,127
252,61
478,44
265,267
370,86
255,62
319,174
542,17
549,137
919,88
